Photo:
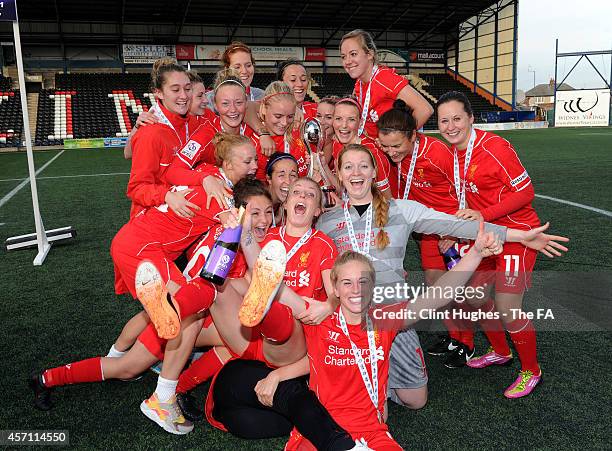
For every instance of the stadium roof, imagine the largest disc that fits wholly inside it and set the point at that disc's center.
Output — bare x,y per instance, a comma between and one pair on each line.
310,22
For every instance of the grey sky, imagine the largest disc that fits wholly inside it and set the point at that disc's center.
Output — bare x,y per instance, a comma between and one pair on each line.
579,26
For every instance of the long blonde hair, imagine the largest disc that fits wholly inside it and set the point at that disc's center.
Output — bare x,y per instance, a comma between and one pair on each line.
277,90
379,203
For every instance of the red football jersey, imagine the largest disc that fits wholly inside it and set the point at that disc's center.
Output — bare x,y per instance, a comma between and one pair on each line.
207,115
386,85
297,148
201,147
335,376
432,180
303,270
154,147
310,110
160,225
494,172
384,169
198,253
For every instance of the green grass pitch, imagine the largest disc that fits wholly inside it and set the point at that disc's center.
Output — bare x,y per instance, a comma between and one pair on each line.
66,310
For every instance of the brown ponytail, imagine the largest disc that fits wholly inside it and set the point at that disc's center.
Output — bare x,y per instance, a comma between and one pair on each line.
381,217
161,67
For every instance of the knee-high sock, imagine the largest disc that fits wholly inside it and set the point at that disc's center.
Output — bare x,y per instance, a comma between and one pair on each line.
194,297
523,337
88,370
199,371
278,324
494,330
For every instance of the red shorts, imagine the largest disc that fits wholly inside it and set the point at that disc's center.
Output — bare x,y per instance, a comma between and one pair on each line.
378,440
156,345
510,271
430,254
254,350
128,252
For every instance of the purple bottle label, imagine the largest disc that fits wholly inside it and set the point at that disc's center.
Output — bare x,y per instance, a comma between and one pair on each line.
220,260
451,264
451,258
231,235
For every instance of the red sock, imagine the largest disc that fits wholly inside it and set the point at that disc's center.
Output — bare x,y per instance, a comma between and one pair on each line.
466,327
523,336
194,297
278,324
88,370
199,371
494,330
467,334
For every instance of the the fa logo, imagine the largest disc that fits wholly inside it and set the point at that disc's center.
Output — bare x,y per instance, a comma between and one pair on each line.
304,279
333,336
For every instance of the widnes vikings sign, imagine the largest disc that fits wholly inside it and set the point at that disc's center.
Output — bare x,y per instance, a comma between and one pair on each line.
582,108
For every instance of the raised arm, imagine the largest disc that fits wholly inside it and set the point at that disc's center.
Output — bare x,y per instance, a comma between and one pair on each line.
486,244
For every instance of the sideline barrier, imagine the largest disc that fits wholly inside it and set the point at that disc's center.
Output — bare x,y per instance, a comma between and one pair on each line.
94,143
506,126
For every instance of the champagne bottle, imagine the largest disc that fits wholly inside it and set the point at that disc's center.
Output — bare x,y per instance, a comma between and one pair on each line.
451,258
223,253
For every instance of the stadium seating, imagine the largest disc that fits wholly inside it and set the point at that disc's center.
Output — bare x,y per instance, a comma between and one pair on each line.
5,83
441,83
332,84
105,105
94,105
11,122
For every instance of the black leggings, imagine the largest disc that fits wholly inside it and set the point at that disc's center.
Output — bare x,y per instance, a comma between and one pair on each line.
237,407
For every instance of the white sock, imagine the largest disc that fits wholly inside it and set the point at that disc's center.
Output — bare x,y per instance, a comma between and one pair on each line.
113,352
165,388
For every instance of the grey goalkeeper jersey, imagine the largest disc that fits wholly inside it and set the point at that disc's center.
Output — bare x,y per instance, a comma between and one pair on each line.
405,217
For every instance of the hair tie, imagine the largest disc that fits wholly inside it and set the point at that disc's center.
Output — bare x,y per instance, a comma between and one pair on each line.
349,100
269,96
230,80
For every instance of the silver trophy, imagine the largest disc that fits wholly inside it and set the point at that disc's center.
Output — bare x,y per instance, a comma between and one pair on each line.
312,133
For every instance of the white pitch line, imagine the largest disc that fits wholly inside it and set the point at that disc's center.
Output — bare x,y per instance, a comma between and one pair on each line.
15,190
71,176
576,204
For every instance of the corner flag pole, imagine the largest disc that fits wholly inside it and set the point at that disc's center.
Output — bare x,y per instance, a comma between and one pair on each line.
8,12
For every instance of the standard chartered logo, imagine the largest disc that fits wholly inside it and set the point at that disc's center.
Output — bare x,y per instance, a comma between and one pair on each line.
304,279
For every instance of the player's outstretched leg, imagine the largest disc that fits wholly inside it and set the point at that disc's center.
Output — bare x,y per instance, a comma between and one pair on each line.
268,274
152,294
